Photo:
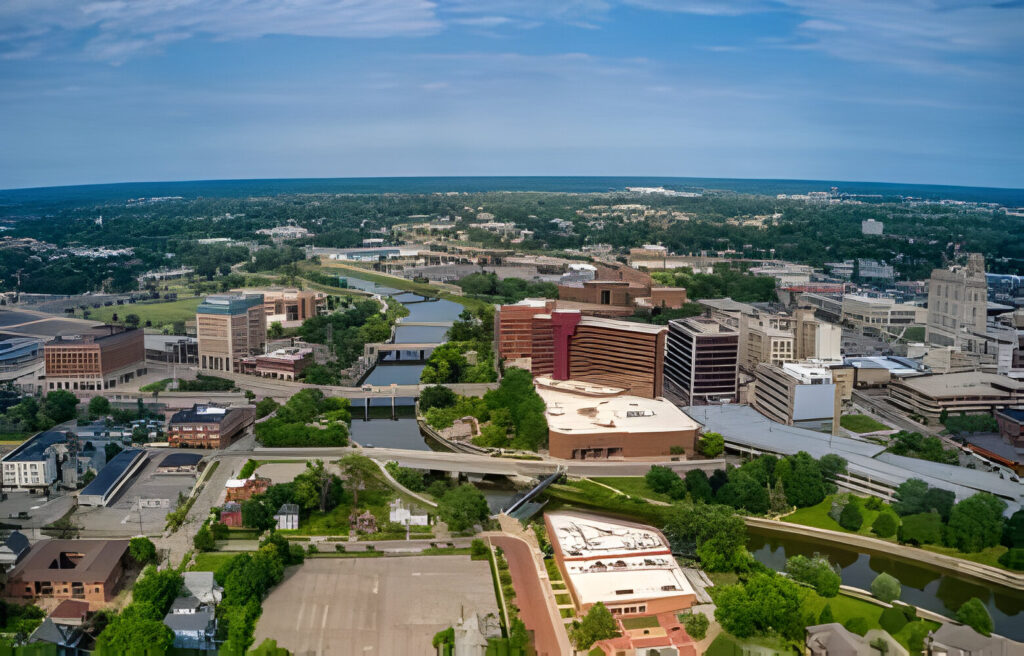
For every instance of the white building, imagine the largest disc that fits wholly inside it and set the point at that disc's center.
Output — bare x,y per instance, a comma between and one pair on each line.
401,514
33,464
287,517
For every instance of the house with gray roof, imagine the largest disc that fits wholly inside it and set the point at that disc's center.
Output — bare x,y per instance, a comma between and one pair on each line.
958,640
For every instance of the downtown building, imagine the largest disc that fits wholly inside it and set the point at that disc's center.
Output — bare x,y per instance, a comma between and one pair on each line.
957,303
702,361
96,362
229,329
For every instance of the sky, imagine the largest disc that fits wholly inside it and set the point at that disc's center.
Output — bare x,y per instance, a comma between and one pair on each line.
922,91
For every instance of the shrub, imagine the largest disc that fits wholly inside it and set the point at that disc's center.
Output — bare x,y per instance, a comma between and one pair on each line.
922,528
826,616
857,625
1013,559
892,620
873,503
248,468
974,614
203,540
340,548
885,525
816,572
478,549
696,625
886,588
851,518
839,503
142,550
711,445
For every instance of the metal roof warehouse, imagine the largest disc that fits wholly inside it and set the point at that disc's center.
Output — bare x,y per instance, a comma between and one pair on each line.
112,477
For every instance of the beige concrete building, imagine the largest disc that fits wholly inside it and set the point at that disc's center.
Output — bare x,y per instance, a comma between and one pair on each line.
230,328
881,313
970,393
776,339
798,394
289,305
957,302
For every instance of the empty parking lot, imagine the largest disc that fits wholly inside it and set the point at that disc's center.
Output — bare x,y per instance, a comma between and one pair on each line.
367,606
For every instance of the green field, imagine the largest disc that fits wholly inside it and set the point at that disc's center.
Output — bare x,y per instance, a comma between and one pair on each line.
861,424
634,486
166,312
211,560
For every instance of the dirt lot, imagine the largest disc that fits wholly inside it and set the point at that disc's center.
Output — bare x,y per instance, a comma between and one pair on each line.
373,606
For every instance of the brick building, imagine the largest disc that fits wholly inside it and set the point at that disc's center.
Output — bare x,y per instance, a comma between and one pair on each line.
289,304
241,489
89,570
230,328
208,427
622,286
282,364
95,362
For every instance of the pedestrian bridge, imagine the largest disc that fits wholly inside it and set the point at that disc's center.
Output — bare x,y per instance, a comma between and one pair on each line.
421,350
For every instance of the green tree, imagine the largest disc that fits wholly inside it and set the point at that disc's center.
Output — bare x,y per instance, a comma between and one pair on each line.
696,625
597,624
461,507
714,533
886,588
158,588
743,491
276,330
975,523
711,444
766,603
698,486
132,320
851,518
266,406
974,614
922,528
127,635
59,406
803,480
99,406
816,572
313,487
885,525
268,648
111,449
142,550
826,615
661,479
437,396
1013,530
357,472
203,540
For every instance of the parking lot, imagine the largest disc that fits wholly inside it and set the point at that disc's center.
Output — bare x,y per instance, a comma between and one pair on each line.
123,517
367,606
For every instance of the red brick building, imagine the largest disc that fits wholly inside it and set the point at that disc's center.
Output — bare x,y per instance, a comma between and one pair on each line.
87,570
95,362
244,489
282,364
208,427
231,514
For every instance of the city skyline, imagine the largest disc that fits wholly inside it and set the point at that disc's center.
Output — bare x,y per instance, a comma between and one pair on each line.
927,92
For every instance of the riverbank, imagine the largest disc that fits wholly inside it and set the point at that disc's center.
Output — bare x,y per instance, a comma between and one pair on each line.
953,565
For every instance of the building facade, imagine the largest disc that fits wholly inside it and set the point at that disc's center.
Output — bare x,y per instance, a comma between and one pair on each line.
881,313
208,427
957,302
91,363
282,364
288,304
970,392
625,354
34,465
798,394
87,570
230,328
702,361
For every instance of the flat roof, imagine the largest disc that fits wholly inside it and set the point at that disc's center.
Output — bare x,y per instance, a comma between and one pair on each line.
200,414
728,305
704,326
615,562
48,561
994,443
744,426
618,324
896,365
180,459
34,448
974,382
582,408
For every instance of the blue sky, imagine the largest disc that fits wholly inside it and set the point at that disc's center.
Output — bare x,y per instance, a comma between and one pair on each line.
928,91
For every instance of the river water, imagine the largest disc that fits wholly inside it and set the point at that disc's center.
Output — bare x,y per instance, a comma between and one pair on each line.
923,586
402,433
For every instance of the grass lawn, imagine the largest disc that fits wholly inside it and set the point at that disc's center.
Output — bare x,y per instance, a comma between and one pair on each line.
635,486
861,424
183,309
817,516
563,599
844,608
648,622
210,561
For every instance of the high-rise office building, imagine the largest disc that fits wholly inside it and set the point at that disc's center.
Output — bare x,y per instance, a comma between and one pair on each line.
230,328
701,361
957,302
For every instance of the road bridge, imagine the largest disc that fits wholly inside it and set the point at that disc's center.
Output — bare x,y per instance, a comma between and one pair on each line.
371,350
428,324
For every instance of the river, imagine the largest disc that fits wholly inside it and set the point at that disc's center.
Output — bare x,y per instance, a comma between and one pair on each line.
402,433
923,585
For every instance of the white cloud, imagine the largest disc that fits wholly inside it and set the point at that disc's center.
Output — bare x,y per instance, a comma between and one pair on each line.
128,28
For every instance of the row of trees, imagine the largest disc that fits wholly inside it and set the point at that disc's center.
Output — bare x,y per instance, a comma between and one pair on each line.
509,290
32,414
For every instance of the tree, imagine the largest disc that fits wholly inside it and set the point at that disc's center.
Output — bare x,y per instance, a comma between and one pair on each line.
711,444
743,491
59,406
437,396
142,550
778,503
597,624
698,486
816,572
974,614
975,523
111,449
826,615
712,532
99,406
939,500
1013,530
357,472
922,528
132,320
204,540
885,525
134,635
803,482
275,331
266,406
461,507
766,603
886,588
256,514
851,518
158,588
268,648
696,625
313,487
661,479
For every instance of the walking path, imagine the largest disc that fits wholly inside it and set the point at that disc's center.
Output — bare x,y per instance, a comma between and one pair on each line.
952,564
